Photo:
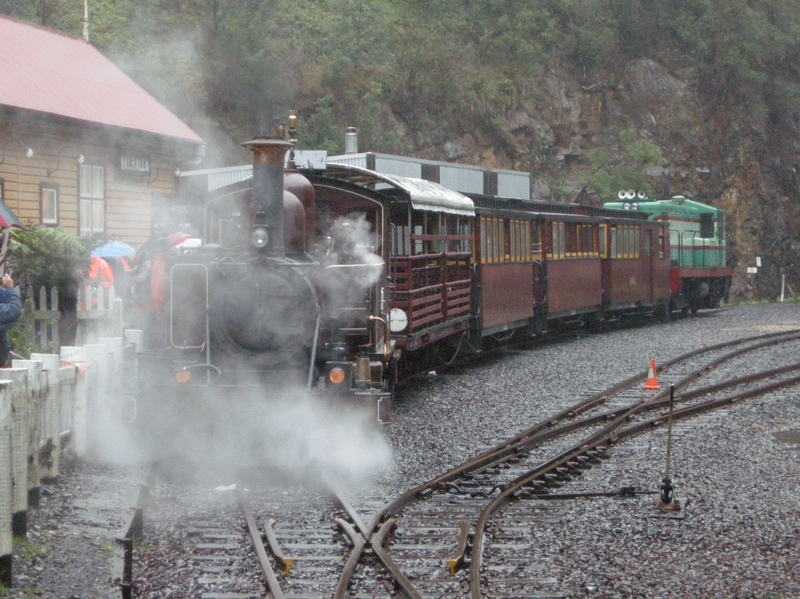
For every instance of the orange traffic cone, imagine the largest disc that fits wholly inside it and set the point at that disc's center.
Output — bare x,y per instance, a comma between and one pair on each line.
652,381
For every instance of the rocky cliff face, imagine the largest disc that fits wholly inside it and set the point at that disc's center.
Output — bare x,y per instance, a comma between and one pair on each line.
741,166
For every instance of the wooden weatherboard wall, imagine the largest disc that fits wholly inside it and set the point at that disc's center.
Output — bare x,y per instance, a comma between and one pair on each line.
136,168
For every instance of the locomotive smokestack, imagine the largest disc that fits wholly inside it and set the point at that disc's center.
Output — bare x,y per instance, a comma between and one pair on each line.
351,140
268,159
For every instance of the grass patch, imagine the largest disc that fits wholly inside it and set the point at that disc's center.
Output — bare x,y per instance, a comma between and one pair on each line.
29,552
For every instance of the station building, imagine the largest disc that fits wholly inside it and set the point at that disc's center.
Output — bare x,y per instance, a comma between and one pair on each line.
82,146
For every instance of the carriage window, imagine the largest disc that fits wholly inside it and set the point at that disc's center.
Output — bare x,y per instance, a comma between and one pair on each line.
624,241
662,243
465,230
519,240
602,247
557,250
499,240
536,241
524,241
613,248
627,249
484,241
513,239
587,245
492,240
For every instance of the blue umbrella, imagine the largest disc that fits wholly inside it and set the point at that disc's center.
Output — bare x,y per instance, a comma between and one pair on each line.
113,249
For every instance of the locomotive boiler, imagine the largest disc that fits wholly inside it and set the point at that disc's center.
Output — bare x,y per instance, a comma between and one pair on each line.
258,295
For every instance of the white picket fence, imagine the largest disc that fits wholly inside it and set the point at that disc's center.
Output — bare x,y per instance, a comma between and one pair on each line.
57,404
99,314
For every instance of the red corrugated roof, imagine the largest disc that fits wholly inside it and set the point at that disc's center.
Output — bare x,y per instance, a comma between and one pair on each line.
50,72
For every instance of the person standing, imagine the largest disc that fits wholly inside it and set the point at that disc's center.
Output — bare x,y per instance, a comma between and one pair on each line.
10,311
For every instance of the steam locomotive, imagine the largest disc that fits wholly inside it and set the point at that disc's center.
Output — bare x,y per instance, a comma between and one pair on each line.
336,280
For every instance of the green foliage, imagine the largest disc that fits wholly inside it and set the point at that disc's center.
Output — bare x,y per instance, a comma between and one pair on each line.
320,131
401,69
29,552
51,257
638,151
609,174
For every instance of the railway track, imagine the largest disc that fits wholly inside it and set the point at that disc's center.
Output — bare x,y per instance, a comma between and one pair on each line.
470,531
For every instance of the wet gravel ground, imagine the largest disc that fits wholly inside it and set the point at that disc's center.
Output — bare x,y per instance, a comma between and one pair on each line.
738,469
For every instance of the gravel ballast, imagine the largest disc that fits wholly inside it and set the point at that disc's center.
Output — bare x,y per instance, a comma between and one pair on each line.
740,536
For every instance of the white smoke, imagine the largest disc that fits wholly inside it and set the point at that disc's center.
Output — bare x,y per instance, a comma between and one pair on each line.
295,435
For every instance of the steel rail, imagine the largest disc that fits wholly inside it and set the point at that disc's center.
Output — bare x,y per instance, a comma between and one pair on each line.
352,561
606,437
535,433
364,534
543,431
255,537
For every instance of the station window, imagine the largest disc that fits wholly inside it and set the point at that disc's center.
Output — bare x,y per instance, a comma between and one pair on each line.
92,199
49,204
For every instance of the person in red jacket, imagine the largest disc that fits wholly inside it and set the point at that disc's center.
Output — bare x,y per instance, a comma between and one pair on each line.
100,273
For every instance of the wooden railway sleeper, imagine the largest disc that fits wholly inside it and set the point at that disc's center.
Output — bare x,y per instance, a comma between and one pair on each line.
458,561
275,548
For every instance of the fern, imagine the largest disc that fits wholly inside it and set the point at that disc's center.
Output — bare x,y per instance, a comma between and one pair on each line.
51,257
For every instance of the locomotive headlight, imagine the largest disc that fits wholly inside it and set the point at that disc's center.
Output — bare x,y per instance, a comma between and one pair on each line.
336,375
259,238
398,320
183,376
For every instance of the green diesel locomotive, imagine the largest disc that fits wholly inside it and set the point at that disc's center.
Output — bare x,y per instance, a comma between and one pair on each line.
700,269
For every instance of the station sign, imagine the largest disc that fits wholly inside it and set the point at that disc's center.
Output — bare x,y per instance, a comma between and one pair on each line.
134,164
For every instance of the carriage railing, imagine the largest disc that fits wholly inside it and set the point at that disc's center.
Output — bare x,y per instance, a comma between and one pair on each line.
432,288
689,250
